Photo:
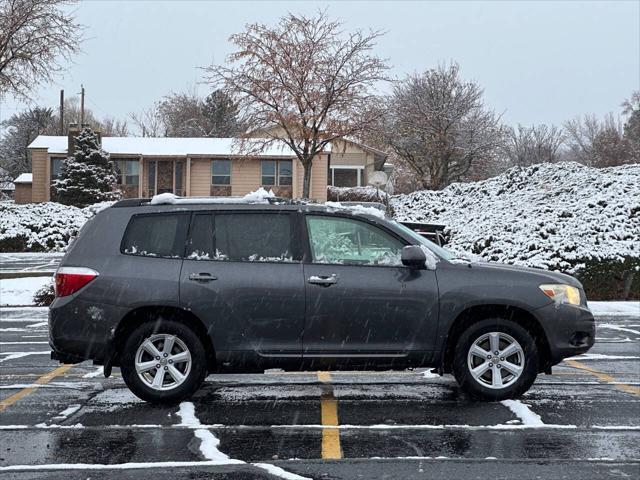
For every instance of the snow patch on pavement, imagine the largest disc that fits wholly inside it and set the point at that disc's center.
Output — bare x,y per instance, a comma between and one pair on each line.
600,356
115,397
208,441
20,291
528,417
16,355
279,472
611,326
209,444
96,373
70,410
610,309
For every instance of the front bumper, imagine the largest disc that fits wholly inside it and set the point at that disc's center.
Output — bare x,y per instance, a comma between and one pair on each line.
570,330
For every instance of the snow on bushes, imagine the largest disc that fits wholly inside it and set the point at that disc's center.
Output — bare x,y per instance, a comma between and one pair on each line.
41,227
562,216
355,194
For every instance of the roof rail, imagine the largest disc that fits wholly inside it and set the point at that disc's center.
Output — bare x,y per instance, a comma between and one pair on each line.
130,202
139,202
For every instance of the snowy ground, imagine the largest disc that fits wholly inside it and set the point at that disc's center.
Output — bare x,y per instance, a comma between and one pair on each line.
71,423
20,291
13,263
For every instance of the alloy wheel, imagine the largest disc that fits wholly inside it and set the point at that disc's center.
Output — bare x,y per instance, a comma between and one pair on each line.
163,361
496,360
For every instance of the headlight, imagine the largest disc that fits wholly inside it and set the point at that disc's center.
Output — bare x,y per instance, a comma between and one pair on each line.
562,293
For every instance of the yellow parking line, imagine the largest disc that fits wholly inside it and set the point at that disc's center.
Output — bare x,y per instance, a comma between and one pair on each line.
329,414
605,378
7,402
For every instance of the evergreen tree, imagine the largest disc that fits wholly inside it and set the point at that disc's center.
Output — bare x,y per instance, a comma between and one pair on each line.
88,176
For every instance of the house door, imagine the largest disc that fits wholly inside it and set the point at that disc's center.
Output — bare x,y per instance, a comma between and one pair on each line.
165,177
160,177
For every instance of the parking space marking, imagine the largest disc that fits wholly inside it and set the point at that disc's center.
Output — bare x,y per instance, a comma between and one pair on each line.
7,402
604,377
330,426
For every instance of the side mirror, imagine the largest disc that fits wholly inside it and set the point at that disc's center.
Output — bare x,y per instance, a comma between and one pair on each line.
413,256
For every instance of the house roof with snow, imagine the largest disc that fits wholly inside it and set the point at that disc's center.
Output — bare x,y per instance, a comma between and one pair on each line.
162,146
24,178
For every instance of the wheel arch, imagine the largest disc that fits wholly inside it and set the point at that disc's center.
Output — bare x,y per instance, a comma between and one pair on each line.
140,315
514,313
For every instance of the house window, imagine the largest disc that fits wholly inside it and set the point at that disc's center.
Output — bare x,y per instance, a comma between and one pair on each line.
346,176
56,167
128,171
277,172
221,172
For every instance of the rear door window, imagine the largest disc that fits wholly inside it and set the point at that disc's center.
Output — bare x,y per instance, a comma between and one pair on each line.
243,237
157,235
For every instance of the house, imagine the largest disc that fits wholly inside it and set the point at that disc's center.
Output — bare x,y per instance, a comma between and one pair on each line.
207,166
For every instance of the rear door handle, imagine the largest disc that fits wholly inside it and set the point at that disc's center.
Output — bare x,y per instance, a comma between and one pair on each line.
202,277
324,280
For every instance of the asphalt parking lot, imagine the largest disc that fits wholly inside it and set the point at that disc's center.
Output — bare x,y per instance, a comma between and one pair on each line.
70,422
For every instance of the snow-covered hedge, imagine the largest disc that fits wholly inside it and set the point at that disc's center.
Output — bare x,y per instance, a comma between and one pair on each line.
564,217
355,194
41,227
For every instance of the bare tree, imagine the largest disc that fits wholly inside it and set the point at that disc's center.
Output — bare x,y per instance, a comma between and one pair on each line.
34,36
438,125
302,82
111,127
526,146
599,143
149,122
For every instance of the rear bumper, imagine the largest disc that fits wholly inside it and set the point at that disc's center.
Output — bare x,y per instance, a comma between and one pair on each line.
80,331
570,330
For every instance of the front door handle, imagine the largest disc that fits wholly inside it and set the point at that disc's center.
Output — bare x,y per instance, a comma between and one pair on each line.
202,277
324,280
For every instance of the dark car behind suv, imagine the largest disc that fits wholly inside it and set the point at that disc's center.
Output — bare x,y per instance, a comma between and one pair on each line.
172,292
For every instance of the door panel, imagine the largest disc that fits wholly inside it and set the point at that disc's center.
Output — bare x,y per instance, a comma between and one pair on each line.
240,279
374,312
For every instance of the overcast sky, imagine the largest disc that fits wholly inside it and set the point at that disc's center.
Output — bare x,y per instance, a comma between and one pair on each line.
538,61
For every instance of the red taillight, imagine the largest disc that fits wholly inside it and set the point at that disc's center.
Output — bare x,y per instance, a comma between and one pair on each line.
71,279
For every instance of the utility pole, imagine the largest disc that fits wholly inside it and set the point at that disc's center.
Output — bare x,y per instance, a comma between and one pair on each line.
81,106
61,112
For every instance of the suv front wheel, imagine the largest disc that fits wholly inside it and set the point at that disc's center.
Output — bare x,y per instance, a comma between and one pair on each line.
163,362
495,359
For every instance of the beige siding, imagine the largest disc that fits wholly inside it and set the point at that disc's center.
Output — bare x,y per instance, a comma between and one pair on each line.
23,193
200,177
245,176
319,179
359,159
40,188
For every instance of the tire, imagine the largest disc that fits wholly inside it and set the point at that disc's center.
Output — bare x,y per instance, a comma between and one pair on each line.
498,382
180,374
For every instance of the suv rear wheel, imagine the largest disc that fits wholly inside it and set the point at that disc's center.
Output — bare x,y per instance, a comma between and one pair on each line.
163,362
495,359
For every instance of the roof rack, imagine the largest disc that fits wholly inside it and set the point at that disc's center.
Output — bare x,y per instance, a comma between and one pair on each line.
139,202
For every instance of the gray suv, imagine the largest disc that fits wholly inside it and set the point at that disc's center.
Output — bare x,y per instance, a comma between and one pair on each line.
173,292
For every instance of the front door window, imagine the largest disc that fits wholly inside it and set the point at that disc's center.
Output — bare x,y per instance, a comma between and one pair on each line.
351,242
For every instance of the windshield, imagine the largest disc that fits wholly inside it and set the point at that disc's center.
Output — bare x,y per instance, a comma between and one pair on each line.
437,249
